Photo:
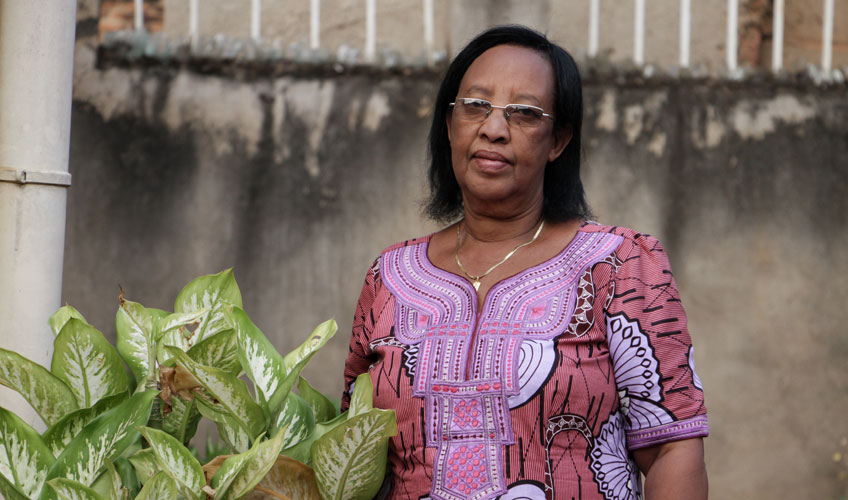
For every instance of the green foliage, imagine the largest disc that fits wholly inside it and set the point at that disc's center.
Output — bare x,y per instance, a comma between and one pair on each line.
87,363
322,407
45,392
176,460
24,455
240,473
184,365
61,316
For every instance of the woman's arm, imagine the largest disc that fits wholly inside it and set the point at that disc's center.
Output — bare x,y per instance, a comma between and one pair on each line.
674,471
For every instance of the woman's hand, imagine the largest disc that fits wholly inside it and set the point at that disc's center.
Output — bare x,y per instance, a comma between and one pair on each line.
674,471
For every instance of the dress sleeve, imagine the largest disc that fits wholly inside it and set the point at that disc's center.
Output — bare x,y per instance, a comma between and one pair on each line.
661,396
358,357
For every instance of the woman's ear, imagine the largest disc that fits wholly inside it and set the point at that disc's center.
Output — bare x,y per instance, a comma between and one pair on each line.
561,139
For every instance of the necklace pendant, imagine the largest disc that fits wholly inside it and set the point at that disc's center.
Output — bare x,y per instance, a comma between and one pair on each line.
476,284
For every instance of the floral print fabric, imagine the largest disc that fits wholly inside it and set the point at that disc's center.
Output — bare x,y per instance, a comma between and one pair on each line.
540,393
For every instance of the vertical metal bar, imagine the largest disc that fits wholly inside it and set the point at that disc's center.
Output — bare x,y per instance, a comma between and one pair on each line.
256,19
685,31
594,15
315,24
639,33
192,21
370,30
827,35
732,33
777,36
138,12
429,36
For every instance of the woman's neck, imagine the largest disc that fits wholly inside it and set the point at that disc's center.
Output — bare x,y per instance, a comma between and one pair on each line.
488,229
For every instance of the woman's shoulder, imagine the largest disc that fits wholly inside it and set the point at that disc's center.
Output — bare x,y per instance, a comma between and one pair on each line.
632,240
406,243
627,233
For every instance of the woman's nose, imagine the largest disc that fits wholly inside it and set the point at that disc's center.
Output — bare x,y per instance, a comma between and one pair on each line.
495,127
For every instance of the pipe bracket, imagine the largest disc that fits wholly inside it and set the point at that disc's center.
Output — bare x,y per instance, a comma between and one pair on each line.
27,176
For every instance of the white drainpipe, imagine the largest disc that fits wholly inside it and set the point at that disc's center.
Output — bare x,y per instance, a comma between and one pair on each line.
36,74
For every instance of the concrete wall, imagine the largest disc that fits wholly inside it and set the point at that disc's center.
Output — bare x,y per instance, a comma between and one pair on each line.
298,182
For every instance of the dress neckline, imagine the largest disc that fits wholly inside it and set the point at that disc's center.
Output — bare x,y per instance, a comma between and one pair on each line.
463,282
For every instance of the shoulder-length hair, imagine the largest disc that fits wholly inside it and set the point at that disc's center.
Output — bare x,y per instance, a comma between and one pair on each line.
564,198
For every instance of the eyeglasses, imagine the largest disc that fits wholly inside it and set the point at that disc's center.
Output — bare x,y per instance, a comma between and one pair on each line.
477,110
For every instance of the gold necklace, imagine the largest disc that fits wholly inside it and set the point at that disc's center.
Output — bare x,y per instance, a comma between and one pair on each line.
475,280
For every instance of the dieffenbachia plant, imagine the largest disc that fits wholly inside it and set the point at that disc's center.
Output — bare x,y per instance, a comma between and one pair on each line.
183,365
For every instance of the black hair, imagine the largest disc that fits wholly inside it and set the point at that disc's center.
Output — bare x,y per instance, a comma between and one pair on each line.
564,198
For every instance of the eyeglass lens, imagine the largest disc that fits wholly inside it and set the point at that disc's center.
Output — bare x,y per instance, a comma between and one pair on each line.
479,109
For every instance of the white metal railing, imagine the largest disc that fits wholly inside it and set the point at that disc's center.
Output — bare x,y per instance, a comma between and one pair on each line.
639,32
315,24
594,23
731,43
827,35
777,36
256,19
685,30
370,30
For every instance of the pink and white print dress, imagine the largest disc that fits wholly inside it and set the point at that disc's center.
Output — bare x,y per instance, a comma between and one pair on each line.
542,392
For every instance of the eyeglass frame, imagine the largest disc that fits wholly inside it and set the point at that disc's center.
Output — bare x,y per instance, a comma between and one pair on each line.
492,107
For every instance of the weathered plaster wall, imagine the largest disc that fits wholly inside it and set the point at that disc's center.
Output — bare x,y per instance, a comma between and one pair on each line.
299,182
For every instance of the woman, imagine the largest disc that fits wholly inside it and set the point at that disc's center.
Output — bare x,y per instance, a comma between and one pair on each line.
527,352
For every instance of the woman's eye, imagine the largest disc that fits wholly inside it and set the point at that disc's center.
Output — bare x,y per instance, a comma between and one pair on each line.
528,112
476,104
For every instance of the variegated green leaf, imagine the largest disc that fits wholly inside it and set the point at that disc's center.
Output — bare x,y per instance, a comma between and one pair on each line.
260,360
134,445
145,464
213,293
46,393
68,489
302,451
181,421
179,330
350,460
104,438
296,419
362,398
58,435
316,340
61,316
88,363
9,491
136,338
108,484
24,458
322,408
296,360
227,390
128,477
159,487
176,461
219,350
240,473
229,428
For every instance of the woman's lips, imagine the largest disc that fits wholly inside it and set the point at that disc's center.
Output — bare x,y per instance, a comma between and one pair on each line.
489,161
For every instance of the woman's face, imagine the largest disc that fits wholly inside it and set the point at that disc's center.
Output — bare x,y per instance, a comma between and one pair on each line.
500,166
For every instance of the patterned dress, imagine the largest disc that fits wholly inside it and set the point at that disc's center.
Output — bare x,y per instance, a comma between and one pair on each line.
542,392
